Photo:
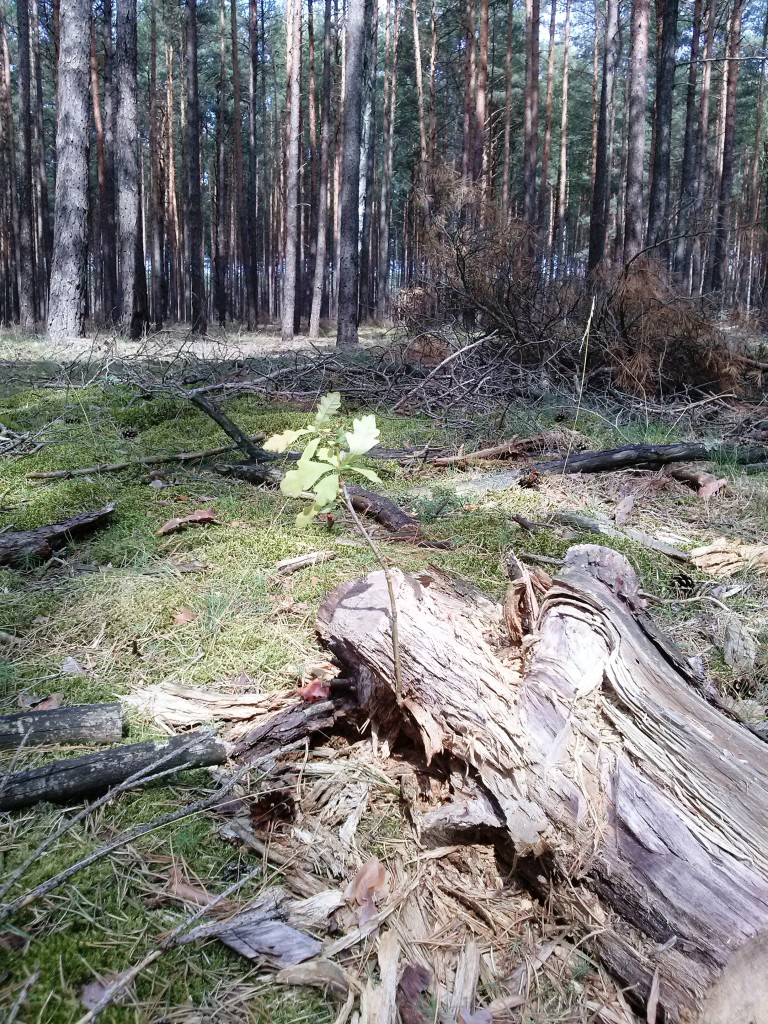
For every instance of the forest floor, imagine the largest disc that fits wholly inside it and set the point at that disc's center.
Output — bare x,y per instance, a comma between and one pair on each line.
127,608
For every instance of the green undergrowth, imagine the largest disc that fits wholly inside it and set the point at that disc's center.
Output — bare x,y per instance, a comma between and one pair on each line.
111,606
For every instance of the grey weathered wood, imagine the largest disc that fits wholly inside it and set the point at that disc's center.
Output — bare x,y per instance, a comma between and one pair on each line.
85,723
79,778
22,548
644,809
652,456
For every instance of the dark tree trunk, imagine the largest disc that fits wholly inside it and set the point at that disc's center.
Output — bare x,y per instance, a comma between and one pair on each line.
27,303
658,203
531,121
367,164
219,228
598,221
322,213
66,308
108,212
690,145
638,67
194,195
252,262
291,248
385,199
159,286
242,256
350,177
133,312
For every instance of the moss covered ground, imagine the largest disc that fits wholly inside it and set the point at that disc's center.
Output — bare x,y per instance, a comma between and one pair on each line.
110,604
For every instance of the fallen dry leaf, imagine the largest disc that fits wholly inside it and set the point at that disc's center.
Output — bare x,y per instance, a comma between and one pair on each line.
183,616
624,509
200,517
315,691
324,974
51,703
72,667
411,1005
711,487
362,890
180,889
92,994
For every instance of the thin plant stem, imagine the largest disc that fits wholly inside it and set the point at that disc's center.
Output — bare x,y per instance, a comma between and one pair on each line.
392,602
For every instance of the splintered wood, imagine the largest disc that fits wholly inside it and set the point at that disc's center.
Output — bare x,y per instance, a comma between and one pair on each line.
638,810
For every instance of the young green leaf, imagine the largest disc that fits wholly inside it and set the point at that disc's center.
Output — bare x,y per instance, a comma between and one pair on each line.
304,519
303,478
282,442
327,491
363,435
328,407
367,473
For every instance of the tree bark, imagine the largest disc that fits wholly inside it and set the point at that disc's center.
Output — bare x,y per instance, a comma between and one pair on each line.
27,298
481,101
658,202
545,153
86,723
219,226
194,197
690,145
132,313
20,549
638,65
385,202
346,336
66,307
157,231
598,221
322,213
531,116
109,222
635,806
80,778
293,65
252,262
45,238
562,167
506,170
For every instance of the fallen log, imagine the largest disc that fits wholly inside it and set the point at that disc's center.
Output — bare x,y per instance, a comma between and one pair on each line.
85,723
653,456
22,548
638,808
79,778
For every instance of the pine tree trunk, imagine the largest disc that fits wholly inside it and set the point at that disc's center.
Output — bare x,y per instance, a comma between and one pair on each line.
293,65
252,201
481,101
159,286
367,163
322,213
220,248
720,249
506,172
66,308
598,222
44,214
346,336
638,66
562,170
531,116
109,211
658,203
133,319
101,173
194,198
385,201
470,85
690,145
544,185
10,136
27,299
423,175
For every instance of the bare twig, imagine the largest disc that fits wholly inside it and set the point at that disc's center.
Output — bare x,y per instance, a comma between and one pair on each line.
152,460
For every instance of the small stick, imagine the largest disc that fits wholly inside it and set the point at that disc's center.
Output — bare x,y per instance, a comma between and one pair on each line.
152,460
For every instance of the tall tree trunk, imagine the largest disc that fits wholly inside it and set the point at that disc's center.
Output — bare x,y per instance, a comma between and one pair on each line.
638,67
133,318
562,169
252,261
690,144
101,173
159,287
172,207
220,249
423,176
506,173
66,308
658,204
293,66
385,202
470,85
346,336
720,249
367,159
544,185
702,152
10,135
531,117
27,299
45,240
433,52
109,222
322,213
194,196
598,222
481,101
754,180
314,159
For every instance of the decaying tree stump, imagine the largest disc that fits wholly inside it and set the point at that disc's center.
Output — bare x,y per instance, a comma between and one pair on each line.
643,808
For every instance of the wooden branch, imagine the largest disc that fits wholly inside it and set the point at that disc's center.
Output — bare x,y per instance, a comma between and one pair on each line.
78,778
230,428
639,809
86,723
290,565
585,524
151,460
652,456
22,548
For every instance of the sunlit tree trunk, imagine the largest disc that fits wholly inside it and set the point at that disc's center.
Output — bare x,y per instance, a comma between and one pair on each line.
638,65
157,230
194,227
690,144
293,70
562,169
385,204
544,184
44,236
658,202
325,150
506,172
66,308
346,336
531,116
27,301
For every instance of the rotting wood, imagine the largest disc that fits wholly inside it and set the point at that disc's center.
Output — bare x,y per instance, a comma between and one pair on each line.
20,549
291,565
640,809
85,723
652,456
151,460
78,778
589,525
